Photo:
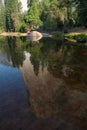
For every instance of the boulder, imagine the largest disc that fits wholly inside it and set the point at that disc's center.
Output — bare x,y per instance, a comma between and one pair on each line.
34,34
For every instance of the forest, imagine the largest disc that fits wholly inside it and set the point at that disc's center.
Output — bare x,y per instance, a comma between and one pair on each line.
47,15
43,78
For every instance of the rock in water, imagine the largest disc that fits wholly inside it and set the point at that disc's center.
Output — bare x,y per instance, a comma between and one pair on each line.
35,36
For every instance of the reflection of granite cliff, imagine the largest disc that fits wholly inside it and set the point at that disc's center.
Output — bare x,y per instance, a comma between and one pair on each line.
51,98
74,76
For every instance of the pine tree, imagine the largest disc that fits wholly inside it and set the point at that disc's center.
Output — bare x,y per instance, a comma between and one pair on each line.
82,12
33,16
12,15
2,16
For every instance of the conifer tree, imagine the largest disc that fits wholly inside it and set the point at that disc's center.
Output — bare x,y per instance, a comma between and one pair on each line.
12,15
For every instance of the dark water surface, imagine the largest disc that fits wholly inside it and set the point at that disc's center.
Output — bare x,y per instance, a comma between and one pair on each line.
43,84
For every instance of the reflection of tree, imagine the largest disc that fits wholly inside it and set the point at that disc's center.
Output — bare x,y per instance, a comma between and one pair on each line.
70,65
51,92
14,51
51,97
62,61
39,53
23,39
2,42
36,65
35,57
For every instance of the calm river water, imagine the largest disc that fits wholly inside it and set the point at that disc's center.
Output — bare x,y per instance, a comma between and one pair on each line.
43,84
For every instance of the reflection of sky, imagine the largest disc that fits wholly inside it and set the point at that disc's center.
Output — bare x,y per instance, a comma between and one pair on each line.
13,98
4,60
24,4
12,86
10,77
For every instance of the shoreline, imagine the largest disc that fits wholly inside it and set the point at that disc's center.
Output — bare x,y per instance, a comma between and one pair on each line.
16,34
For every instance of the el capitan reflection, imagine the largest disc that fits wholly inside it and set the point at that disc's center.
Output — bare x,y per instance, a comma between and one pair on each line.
56,82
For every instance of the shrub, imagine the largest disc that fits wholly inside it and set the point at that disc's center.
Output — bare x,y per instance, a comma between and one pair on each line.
69,36
58,35
81,38
22,27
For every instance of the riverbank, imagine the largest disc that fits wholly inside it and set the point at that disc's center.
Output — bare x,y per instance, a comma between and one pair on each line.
73,35
16,34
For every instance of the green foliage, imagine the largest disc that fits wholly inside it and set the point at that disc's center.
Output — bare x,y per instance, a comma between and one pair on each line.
78,37
81,38
33,15
45,14
12,15
70,36
49,24
2,16
57,35
22,27
82,12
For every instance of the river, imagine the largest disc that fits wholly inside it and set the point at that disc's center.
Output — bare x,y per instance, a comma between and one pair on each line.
43,84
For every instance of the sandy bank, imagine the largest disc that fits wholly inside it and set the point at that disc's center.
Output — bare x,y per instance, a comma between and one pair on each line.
17,34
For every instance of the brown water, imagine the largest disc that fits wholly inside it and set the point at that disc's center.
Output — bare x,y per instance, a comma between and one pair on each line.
43,85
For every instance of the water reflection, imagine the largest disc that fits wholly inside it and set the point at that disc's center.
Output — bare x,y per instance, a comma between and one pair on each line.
55,74
35,38
13,50
52,97
56,78
62,61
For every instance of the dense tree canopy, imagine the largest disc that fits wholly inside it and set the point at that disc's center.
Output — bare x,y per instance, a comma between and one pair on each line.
42,14
12,14
82,12
2,16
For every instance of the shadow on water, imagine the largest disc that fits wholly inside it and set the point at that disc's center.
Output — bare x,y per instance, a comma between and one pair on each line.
55,75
